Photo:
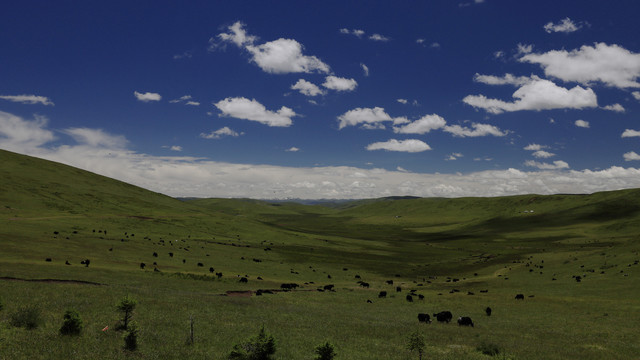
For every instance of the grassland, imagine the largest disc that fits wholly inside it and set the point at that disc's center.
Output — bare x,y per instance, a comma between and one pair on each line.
443,249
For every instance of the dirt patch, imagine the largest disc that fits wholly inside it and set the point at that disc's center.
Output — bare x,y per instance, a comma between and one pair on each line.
58,281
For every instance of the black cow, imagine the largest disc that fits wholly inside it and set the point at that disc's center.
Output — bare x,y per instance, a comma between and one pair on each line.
369,301
488,311
444,316
211,270
465,321
520,297
425,318
47,259
390,282
142,265
364,284
409,298
382,294
200,264
155,254
67,262
219,275
398,289
420,296
328,287
171,254
244,280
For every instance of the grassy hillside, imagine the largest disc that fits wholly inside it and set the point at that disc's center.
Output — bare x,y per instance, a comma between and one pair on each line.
461,255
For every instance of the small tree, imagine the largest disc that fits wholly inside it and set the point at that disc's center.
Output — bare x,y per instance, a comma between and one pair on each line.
72,323
126,306
259,348
416,343
28,317
131,337
325,352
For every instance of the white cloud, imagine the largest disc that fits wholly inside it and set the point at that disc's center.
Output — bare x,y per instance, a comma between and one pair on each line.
423,125
453,157
420,41
184,55
507,79
363,116
280,56
543,154
176,148
307,88
225,131
355,32
243,108
478,130
614,107
339,84
630,156
402,101
181,99
148,96
557,165
612,65
411,145
636,95
96,138
538,94
192,103
498,54
365,69
524,49
378,37
630,133
535,147
435,45
182,176
28,99
582,124
565,25
293,149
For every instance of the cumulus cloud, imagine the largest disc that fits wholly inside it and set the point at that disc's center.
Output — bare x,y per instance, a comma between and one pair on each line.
582,124
422,126
20,135
543,154
339,84
307,88
176,148
476,130
225,131
558,164
378,37
148,96
615,108
280,56
630,133
181,99
28,99
537,94
453,157
410,145
636,95
535,147
365,69
293,149
97,138
630,156
355,32
243,108
565,25
507,79
524,49
363,116
402,101
612,65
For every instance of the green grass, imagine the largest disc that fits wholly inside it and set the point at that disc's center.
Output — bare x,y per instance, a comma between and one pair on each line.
422,244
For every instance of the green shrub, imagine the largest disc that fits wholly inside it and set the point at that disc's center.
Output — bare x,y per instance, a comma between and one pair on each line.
72,323
131,337
260,347
488,349
28,317
325,352
416,343
126,306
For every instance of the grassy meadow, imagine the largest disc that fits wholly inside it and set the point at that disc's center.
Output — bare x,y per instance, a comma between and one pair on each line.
462,255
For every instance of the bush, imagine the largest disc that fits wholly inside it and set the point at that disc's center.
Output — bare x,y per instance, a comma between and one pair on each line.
488,349
131,337
28,317
72,323
416,343
259,348
325,352
126,306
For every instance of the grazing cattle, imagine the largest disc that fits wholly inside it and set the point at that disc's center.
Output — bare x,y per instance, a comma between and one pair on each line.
465,321
244,280
520,297
369,301
390,282
484,291
257,260
444,316
420,296
409,298
357,276
219,275
398,289
488,311
425,318
155,254
47,259
184,261
170,254
67,262
200,264
211,270
382,294
142,265
364,284
156,270
328,287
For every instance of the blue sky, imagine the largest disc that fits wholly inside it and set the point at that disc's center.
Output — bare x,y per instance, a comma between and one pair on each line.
328,99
